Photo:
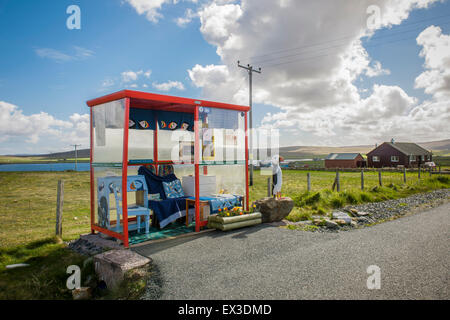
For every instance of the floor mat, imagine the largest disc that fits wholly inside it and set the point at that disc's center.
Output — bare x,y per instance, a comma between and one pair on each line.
173,230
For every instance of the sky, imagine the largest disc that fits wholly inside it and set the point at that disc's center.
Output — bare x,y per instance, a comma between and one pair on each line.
336,73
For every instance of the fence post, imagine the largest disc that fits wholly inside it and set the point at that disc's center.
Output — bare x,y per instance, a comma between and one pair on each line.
404,175
338,182
379,178
419,171
59,207
308,175
439,169
431,173
269,189
362,179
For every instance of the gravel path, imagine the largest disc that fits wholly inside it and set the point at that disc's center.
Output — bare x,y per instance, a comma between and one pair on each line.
267,262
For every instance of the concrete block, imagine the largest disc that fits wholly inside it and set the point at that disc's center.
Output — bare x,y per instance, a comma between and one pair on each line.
111,266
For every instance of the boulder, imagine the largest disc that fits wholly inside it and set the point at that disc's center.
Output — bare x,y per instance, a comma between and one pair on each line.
331,224
342,222
111,266
274,210
339,215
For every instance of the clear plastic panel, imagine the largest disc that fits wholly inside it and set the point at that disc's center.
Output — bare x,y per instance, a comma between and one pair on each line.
108,121
230,179
222,136
105,207
140,144
176,145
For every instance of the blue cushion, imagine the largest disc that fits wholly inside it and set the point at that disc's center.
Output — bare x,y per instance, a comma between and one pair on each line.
173,189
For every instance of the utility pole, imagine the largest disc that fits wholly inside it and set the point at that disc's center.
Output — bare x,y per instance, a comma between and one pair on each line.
76,155
250,71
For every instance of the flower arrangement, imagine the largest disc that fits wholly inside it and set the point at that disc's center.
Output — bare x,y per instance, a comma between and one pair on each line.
236,211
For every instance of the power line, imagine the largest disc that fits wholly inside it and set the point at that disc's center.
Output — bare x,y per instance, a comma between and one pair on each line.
339,39
337,46
329,53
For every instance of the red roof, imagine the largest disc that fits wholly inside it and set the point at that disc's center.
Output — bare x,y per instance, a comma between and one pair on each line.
148,100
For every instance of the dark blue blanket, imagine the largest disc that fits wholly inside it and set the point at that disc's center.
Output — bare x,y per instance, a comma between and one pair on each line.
154,182
168,210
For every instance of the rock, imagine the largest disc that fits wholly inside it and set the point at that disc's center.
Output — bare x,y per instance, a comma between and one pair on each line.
331,224
353,212
318,222
353,224
274,210
342,222
342,216
111,266
83,293
363,214
305,223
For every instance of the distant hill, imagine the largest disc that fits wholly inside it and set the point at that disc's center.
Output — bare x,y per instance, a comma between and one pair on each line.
437,147
294,152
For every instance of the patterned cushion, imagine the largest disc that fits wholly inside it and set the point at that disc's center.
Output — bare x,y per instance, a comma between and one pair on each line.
165,169
173,189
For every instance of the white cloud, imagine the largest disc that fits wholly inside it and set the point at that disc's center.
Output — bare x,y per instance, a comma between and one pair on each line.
148,7
130,76
79,53
31,129
186,19
311,56
169,85
435,80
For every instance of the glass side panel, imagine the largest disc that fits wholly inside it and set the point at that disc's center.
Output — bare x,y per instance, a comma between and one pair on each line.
108,122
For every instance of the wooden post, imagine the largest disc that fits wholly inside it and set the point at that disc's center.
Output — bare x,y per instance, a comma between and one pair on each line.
404,175
269,189
439,169
59,207
379,178
362,179
430,172
338,182
419,171
308,175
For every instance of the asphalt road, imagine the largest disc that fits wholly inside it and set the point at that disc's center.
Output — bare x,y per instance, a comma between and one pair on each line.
267,262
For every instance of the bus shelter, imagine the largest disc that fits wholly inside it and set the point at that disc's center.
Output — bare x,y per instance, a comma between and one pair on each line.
203,143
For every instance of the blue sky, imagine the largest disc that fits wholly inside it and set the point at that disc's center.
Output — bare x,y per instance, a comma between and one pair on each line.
47,68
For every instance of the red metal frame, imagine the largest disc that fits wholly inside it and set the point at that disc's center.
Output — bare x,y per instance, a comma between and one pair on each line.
246,164
170,101
125,173
197,170
146,100
91,169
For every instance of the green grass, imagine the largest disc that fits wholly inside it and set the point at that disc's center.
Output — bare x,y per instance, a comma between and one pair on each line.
321,200
28,206
46,276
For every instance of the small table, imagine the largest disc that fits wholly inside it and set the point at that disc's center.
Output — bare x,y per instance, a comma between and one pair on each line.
192,202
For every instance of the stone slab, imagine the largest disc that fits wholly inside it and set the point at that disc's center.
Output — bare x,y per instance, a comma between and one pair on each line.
111,266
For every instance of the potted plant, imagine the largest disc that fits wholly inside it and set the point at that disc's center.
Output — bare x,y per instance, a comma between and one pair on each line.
229,219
